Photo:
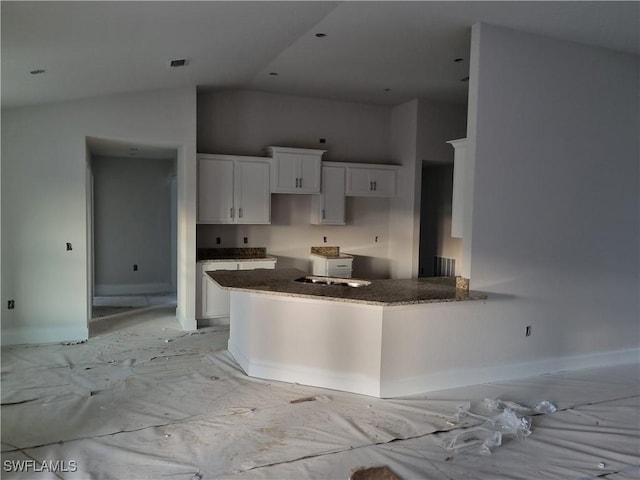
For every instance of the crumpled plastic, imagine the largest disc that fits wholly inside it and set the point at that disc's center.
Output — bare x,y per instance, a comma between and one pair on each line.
508,419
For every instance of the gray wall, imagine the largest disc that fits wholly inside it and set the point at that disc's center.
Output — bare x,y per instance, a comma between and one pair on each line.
243,122
553,130
132,225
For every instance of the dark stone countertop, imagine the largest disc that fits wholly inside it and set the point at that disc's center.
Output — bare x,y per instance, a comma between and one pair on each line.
379,292
233,253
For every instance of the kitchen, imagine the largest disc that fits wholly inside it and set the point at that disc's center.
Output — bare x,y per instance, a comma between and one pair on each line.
377,229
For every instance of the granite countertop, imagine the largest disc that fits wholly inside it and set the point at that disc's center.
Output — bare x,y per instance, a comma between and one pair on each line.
379,292
235,253
329,252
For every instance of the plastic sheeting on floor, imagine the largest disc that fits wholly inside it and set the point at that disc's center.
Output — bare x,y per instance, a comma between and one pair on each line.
142,399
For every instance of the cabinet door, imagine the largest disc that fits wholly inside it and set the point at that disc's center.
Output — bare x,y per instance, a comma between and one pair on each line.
309,167
215,300
384,182
359,181
371,182
215,191
252,193
284,175
329,206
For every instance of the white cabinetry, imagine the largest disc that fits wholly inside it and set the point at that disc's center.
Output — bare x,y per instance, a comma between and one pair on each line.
212,301
233,189
459,175
328,208
295,170
371,181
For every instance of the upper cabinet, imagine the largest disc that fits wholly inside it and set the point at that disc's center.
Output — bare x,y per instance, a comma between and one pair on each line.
328,208
295,170
371,180
459,173
233,189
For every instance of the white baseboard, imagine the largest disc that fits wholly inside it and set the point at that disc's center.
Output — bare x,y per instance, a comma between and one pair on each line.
462,377
187,324
105,289
31,335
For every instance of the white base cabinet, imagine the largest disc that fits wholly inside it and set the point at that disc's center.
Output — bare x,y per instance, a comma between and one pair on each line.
212,301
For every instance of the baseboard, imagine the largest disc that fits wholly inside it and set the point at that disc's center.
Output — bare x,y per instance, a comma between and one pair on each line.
31,335
314,377
455,378
105,289
187,324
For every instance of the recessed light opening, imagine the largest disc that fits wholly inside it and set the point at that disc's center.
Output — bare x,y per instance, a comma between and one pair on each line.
458,59
465,79
38,71
321,35
273,74
178,62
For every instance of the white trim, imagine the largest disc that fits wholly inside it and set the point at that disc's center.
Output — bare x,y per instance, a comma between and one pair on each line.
471,376
187,324
133,288
314,377
18,336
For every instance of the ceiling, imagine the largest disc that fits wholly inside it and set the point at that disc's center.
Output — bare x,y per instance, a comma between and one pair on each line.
374,52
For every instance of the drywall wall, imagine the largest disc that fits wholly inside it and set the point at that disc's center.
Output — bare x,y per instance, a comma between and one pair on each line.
132,225
404,208
243,122
553,130
45,198
439,122
290,235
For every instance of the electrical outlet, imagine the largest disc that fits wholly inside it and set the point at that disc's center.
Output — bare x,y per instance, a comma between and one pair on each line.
11,304
218,240
323,140
135,267
245,240
324,239
527,331
69,247
376,239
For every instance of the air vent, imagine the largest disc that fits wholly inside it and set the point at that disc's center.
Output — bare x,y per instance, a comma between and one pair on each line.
178,62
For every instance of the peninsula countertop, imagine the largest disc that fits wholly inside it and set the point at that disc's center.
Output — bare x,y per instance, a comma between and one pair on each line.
380,292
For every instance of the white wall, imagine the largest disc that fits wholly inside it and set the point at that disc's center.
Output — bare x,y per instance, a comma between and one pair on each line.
243,122
553,130
44,204
132,225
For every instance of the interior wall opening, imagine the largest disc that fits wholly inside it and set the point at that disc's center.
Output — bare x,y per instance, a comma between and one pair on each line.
133,208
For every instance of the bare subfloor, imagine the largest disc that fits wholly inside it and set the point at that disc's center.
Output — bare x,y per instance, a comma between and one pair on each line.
142,399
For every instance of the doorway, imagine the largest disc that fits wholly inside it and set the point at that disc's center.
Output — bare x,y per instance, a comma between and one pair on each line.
133,208
440,253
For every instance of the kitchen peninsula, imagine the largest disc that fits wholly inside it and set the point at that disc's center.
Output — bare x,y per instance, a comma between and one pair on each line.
371,338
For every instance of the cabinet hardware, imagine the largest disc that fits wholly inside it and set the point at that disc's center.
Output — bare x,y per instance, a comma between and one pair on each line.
231,212
375,185
240,212
323,214
370,186
300,182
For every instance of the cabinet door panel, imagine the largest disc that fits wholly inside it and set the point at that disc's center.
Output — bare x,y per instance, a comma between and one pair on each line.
384,182
269,264
331,203
285,175
253,196
215,300
358,181
309,174
215,191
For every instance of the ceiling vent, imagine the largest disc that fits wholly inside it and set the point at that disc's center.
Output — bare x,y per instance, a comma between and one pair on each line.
178,62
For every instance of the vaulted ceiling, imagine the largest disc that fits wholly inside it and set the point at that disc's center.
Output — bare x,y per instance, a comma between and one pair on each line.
377,52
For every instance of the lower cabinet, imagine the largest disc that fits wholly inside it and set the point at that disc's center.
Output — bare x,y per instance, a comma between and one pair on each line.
212,301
